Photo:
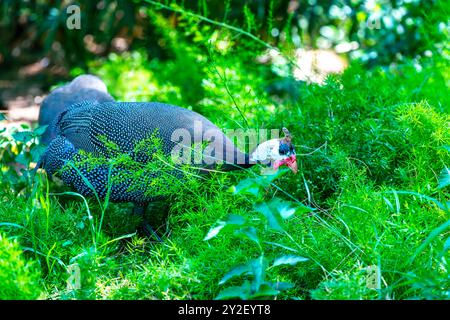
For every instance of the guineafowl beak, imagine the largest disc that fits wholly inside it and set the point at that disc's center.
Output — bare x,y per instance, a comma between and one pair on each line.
291,162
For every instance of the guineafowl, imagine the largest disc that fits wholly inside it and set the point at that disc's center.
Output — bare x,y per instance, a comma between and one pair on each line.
90,126
82,88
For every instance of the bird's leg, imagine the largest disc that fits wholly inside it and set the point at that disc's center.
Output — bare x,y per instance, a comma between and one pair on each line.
140,210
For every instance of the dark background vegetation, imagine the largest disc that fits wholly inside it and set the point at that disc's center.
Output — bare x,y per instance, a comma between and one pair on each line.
385,31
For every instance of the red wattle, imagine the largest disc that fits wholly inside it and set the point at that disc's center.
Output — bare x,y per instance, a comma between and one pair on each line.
287,161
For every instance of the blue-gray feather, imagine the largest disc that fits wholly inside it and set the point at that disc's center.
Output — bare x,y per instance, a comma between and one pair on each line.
84,126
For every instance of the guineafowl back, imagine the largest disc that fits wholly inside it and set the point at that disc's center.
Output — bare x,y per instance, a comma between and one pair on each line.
88,125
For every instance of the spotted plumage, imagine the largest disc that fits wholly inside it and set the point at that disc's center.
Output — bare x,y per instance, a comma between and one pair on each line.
82,88
86,126
83,129
105,149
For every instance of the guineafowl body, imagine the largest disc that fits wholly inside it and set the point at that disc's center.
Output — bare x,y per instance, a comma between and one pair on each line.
86,127
121,151
82,88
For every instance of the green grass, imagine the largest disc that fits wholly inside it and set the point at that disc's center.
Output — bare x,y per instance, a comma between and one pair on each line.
20,278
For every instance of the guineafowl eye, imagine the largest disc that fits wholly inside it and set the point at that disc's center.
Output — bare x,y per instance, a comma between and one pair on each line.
284,149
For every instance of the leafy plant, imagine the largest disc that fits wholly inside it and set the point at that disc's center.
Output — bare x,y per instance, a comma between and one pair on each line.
275,212
343,286
19,148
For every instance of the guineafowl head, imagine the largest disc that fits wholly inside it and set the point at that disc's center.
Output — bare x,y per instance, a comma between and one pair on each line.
278,152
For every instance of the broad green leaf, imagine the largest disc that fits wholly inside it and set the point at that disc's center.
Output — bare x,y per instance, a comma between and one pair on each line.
23,136
235,272
301,208
36,152
2,116
23,159
277,209
214,231
249,232
283,207
253,186
247,186
265,290
258,271
288,208
288,259
80,225
241,292
272,216
40,130
444,178
281,246
235,219
231,220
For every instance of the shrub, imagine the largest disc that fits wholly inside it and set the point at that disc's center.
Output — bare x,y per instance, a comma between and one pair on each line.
19,277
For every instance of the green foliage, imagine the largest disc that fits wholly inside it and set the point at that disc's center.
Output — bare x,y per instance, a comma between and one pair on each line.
19,148
370,120
275,211
444,178
20,277
131,78
342,286
383,31
433,286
